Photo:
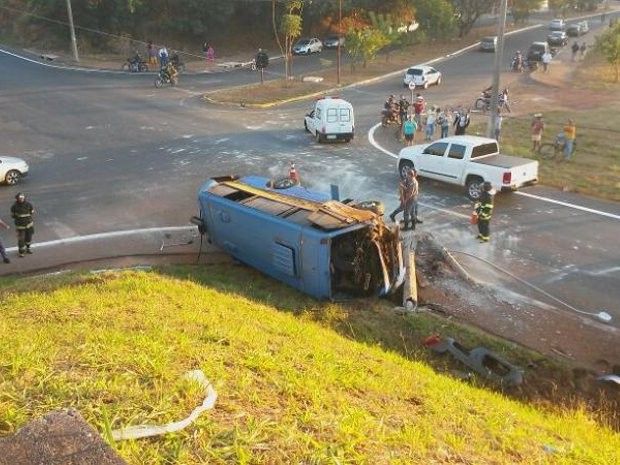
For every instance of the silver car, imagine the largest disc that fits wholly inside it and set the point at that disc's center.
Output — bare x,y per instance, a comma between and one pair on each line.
307,46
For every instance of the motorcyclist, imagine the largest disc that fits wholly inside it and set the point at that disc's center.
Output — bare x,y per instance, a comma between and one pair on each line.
168,72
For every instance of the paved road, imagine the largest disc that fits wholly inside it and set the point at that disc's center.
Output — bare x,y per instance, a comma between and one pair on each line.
110,152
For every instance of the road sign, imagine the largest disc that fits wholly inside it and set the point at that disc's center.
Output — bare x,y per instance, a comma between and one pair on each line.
412,85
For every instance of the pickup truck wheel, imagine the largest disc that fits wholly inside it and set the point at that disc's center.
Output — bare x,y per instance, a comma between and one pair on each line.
12,177
474,188
404,167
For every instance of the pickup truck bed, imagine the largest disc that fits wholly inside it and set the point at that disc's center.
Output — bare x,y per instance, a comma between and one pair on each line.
502,161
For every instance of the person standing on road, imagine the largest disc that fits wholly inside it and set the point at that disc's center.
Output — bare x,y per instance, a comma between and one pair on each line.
408,193
164,57
445,117
409,129
5,257
22,212
582,49
575,49
151,53
537,129
484,210
546,59
418,108
403,109
570,134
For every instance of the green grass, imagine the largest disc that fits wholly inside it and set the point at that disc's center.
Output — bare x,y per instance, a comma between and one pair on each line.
594,169
294,386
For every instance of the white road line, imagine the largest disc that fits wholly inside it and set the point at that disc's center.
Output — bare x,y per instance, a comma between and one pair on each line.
108,235
570,205
373,142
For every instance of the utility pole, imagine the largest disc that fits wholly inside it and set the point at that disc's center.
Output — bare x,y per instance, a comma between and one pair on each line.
338,59
72,29
499,59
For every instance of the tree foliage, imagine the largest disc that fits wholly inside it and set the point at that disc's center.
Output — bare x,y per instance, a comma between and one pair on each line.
436,17
364,44
608,44
521,9
468,12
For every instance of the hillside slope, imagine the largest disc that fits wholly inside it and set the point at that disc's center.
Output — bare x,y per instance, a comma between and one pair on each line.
115,346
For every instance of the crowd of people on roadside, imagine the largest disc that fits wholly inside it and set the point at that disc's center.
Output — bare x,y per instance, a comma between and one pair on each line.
417,118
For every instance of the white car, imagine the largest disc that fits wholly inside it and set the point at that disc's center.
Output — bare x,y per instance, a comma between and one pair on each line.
307,46
12,170
422,76
557,25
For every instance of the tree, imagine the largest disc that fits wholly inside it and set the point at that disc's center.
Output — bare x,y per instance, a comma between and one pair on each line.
436,17
521,9
468,12
608,44
364,44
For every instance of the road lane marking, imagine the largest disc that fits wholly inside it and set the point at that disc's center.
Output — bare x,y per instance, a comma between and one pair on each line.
569,205
373,142
108,235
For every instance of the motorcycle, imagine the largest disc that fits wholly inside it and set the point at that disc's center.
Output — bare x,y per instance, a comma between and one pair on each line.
389,117
135,65
483,102
165,77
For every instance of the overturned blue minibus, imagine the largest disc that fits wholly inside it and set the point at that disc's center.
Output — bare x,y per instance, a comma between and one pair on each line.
323,247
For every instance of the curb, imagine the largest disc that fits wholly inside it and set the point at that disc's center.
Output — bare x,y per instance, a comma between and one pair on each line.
355,84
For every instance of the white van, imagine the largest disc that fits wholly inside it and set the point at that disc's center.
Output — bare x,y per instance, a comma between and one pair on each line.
331,119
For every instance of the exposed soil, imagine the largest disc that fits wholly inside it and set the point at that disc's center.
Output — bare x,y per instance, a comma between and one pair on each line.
62,438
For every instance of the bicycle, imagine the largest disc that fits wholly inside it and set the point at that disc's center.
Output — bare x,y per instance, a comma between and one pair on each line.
550,150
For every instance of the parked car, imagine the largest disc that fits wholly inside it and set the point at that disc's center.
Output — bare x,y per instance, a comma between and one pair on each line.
468,161
12,169
584,27
574,30
307,46
557,38
332,40
536,51
331,119
557,25
488,44
422,76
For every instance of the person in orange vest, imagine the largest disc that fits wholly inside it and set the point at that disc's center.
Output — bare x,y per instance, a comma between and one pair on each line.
293,174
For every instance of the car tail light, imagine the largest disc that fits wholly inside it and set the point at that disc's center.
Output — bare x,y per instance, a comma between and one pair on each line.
507,177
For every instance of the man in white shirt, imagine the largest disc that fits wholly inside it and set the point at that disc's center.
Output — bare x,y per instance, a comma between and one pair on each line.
546,59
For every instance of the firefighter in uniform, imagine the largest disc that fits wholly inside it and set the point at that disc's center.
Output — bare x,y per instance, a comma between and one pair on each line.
22,211
484,209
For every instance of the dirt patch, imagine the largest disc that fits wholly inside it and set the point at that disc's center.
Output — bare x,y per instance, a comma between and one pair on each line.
61,437
509,312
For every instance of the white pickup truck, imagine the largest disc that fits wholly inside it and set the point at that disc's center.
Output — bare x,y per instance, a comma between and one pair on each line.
468,161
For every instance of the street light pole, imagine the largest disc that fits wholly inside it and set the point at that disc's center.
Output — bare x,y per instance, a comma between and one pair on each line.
72,30
338,59
499,58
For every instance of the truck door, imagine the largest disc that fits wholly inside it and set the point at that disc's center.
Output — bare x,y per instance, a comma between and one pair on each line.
454,162
430,163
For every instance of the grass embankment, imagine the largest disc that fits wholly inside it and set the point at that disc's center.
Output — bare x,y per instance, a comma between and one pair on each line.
291,390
